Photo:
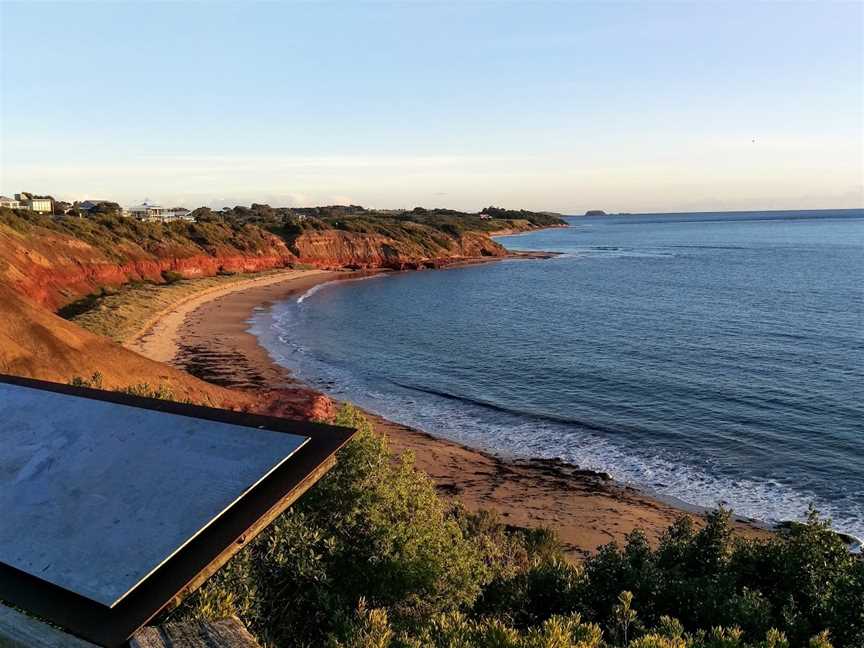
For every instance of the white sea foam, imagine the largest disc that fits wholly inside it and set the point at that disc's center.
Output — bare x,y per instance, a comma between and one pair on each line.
316,288
616,253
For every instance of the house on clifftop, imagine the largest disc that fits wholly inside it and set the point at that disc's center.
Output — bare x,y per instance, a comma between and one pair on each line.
33,203
150,213
147,212
181,214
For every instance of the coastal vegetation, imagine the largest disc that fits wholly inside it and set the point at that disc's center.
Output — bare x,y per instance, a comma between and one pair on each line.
246,229
360,219
56,260
372,557
432,230
120,313
142,390
119,237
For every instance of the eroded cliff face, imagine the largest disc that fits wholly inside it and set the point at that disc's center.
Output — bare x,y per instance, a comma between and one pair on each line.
337,249
36,343
53,269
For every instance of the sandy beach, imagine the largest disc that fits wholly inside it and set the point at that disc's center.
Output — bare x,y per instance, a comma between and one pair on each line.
157,338
207,336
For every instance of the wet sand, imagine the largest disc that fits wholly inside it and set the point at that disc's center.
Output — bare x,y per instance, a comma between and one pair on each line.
208,336
157,338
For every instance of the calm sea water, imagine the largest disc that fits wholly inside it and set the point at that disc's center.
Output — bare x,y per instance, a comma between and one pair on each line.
707,357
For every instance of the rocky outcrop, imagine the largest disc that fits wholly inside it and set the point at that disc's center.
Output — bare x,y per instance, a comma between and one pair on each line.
338,249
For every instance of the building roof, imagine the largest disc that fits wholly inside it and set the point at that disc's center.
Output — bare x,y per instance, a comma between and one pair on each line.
89,204
114,504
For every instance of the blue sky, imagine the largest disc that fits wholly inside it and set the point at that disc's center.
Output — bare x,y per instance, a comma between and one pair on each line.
642,106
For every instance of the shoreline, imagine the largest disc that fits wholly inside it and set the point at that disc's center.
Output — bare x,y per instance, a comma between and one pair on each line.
208,336
156,338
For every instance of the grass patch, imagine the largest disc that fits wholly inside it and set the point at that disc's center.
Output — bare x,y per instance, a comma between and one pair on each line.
120,314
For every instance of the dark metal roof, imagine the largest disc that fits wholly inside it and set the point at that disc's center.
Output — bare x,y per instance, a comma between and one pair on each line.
275,461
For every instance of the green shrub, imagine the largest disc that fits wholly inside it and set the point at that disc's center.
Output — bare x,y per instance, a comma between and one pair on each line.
371,629
656,640
373,528
372,557
93,382
143,390
535,593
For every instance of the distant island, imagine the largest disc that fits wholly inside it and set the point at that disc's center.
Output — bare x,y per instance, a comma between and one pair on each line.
595,212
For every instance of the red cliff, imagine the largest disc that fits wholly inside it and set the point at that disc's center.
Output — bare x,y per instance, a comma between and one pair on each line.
335,248
45,267
54,268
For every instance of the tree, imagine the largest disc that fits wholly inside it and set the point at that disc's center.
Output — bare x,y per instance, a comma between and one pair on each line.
106,208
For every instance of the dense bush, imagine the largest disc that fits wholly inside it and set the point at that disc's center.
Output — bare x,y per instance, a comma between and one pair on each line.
433,229
170,277
420,233
144,390
802,582
119,237
372,557
372,528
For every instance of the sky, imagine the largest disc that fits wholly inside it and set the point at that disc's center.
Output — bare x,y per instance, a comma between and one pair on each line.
563,106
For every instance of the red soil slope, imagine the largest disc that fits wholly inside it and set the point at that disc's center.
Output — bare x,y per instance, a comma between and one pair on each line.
53,269
35,343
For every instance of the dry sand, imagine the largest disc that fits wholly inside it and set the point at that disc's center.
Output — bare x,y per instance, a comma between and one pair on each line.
158,337
207,336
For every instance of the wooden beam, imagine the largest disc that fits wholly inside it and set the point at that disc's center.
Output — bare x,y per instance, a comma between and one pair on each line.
20,631
262,523
227,633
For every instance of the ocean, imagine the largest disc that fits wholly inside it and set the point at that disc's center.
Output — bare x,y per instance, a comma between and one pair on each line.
710,357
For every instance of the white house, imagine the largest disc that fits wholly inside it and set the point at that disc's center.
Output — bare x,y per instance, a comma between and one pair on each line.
34,204
11,203
151,213
179,214
148,212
